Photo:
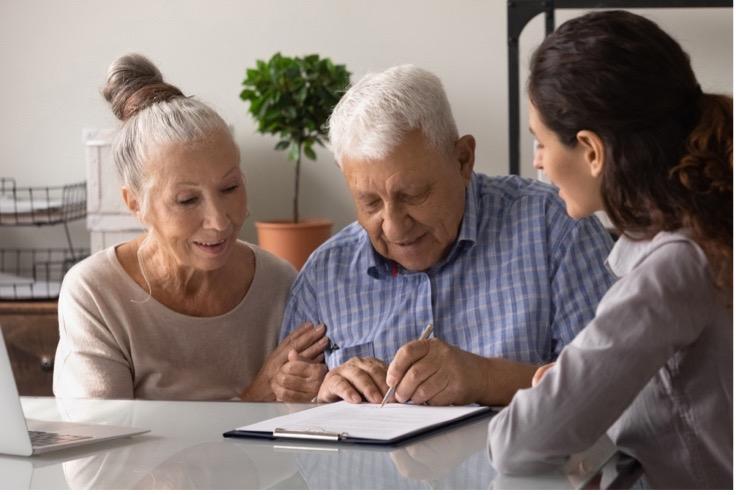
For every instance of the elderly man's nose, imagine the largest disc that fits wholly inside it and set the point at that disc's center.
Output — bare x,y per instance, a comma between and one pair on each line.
395,224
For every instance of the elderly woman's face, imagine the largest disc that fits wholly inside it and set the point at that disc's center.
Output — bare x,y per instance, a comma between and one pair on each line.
197,201
411,203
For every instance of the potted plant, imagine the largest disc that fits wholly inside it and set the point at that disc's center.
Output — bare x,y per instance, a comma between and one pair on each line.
292,98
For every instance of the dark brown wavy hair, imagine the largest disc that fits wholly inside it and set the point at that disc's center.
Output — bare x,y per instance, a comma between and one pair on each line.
668,146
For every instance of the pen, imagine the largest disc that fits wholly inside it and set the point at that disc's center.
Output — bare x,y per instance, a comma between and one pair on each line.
392,390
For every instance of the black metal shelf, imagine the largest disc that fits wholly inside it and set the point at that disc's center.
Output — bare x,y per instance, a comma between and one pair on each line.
37,273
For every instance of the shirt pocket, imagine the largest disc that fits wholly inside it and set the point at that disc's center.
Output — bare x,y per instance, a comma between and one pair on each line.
339,356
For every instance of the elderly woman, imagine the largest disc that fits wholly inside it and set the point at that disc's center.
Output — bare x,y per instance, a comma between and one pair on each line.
186,311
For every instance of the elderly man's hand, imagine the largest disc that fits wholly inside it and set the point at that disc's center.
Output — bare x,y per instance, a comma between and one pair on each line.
434,372
299,379
357,379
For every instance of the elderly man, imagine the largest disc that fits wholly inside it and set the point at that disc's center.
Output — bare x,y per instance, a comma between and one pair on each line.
495,264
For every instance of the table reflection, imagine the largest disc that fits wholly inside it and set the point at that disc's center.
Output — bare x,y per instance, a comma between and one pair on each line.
185,450
454,458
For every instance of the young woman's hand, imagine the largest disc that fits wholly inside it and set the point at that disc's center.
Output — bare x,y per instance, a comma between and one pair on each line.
540,373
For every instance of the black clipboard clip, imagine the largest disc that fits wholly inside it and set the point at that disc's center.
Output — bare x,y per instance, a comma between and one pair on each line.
308,435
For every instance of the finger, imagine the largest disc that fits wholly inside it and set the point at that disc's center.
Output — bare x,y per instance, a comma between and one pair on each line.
415,376
336,387
287,343
299,331
429,388
376,369
367,378
294,383
294,356
316,349
295,387
541,371
305,338
286,395
405,357
304,369
445,397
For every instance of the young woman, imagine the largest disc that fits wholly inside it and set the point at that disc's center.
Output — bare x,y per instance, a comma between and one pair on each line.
624,126
186,311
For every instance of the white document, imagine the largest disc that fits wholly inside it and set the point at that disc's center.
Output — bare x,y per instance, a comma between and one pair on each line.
365,421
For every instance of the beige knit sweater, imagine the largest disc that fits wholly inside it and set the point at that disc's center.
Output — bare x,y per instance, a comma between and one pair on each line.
113,347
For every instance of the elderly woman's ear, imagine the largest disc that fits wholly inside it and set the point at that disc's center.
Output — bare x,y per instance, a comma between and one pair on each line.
130,199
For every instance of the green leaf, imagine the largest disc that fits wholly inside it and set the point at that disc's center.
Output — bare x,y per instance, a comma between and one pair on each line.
292,98
293,152
309,152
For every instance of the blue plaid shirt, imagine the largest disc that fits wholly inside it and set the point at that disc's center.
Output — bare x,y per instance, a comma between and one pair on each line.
521,279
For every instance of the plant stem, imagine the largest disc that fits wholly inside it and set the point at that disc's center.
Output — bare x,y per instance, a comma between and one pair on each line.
296,185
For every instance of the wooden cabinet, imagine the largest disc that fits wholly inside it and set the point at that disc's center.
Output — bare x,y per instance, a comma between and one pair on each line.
31,332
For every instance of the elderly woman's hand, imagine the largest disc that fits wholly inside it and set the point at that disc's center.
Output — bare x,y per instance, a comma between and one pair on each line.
307,343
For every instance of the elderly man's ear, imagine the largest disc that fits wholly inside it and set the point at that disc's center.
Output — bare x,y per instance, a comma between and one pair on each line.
464,156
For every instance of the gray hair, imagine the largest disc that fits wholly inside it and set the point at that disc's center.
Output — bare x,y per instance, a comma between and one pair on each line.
376,113
154,113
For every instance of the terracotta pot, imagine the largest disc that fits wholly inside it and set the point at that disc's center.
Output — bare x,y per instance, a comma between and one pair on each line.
293,242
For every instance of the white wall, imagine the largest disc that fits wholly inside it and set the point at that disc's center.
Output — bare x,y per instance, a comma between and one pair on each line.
54,55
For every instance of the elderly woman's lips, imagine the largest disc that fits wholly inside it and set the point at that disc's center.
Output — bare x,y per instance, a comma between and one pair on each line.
211,247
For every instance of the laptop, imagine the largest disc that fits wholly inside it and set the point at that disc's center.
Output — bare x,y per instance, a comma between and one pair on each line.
21,436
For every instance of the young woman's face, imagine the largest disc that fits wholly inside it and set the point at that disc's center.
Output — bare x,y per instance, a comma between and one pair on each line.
568,168
197,201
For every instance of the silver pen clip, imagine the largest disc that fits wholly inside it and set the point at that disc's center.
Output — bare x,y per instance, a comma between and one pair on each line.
307,435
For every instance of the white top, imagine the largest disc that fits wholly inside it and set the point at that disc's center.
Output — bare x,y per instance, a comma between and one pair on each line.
111,346
654,368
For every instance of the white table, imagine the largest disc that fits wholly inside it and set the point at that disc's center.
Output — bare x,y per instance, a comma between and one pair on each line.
185,449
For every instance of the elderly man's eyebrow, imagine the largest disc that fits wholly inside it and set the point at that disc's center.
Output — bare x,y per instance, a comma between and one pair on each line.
365,195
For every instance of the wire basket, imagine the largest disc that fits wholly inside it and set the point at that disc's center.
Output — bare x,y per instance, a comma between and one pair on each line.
35,273
41,205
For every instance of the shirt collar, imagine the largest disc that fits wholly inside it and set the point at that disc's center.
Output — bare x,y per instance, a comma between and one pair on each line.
629,251
378,267
469,226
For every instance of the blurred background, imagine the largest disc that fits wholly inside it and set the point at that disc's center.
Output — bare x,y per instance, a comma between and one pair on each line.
55,53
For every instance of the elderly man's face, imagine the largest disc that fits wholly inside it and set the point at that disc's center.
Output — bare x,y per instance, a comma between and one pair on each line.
411,203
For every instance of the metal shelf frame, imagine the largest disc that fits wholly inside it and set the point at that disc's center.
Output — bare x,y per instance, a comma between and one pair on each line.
520,12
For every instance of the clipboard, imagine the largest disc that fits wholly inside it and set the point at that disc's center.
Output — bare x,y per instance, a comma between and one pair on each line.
366,424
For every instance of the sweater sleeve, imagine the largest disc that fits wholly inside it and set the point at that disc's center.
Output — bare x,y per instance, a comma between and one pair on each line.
648,315
89,362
